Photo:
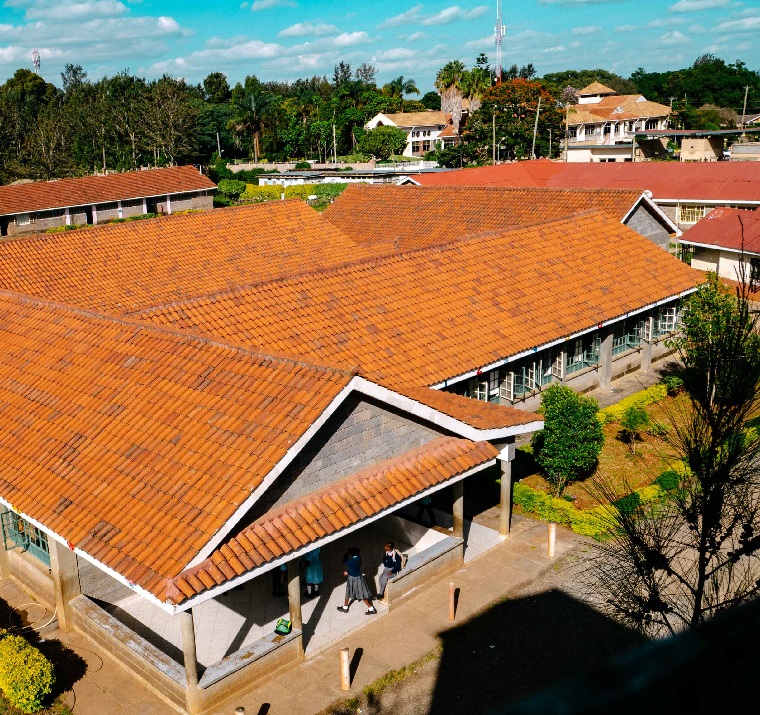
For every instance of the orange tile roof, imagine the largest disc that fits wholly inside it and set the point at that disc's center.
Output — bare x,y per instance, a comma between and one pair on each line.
122,267
136,444
290,527
424,316
42,195
416,216
729,181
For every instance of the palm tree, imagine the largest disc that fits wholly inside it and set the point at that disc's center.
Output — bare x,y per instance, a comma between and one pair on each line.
398,87
448,82
251,105
474,85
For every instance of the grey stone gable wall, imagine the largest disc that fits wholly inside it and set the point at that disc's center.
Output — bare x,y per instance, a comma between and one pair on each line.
643,221
99,585
359,434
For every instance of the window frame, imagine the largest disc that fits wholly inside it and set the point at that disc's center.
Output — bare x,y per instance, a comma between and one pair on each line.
25,535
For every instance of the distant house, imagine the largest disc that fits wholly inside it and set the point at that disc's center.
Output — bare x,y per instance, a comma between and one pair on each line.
602,124
726,241
37,206
686,192
745,151
424,130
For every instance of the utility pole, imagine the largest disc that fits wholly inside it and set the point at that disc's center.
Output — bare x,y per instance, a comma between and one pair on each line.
218,146
567,126
535,129
493,131
499,31
550,143
335,145
744,111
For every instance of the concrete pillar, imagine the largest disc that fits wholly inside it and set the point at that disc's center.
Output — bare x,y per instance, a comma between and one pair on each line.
294,595
168,205
646,347
65,571
605,358
505,501
458,509
192,694
5,566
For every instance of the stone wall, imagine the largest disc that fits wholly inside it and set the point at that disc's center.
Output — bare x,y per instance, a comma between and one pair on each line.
642,221
359,434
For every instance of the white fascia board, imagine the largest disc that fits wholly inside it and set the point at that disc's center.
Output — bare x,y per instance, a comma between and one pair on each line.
558,341
438,418
713,247
254,573
147,595
707,202
275,472
646,199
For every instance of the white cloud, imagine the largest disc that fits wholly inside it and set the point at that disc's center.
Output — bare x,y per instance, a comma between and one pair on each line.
665,22
744,24
587,30
412,15
455,14
415,37
349,39
269,4
697,5
577,2
309,27
554,48
480,44
626,28
670,39
48,10
397,53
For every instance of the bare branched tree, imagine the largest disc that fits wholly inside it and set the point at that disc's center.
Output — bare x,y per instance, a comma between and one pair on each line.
672,565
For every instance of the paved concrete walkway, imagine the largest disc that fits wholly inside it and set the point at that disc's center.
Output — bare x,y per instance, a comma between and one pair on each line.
402,636
631,383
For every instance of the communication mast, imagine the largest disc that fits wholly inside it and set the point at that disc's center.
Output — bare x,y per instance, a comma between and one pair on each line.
36,61
499,31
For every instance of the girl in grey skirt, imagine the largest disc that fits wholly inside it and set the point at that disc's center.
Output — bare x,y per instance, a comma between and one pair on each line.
356,586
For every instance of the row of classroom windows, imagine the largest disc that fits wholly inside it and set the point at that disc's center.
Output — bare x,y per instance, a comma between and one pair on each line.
521,378
27,218
18,533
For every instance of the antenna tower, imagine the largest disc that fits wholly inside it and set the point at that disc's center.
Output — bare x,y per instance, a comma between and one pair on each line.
36,61
499,31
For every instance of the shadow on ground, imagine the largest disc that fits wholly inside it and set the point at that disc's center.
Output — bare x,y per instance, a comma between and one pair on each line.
520,646
68,666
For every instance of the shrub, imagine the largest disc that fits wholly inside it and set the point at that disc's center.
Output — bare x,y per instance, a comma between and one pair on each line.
26,676
629,503
231,188
303,165
634,420
141,217
668,480
614,413
673,383
657,429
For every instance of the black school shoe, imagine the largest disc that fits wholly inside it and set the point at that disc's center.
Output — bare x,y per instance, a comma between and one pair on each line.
371,612
343,609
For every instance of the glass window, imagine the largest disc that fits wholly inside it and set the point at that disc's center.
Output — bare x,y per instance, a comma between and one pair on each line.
627,335
584,352
415,147
21,534
53,213
690,214
479,388
666,321
24,219
754,274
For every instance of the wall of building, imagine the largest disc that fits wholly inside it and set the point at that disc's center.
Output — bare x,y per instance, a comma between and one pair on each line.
701,149
33,575
643,222
586,155
359,434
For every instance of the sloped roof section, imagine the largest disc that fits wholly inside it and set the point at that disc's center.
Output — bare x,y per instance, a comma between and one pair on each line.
424,316
734,229
410,217
122,267
595,88
291,527
42,195
419,119
137,444
687,181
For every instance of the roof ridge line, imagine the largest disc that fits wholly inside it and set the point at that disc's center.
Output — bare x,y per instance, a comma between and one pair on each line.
111,226
369,260
170,330
438,187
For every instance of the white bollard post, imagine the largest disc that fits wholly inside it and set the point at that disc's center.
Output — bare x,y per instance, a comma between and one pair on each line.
345,670
552,540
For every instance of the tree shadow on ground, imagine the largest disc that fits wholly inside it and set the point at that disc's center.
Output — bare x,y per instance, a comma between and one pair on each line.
518,647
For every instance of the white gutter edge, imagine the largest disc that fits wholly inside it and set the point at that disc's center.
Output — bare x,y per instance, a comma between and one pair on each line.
718,248
558,341
254,573
113,574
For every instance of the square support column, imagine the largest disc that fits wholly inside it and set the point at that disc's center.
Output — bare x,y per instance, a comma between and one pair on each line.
5,566
65,571
294,595
192,695
646,348
458,509
505,501
605,358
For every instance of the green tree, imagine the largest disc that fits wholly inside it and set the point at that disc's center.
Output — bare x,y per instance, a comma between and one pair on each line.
252,104
582,78
216,88
382,142
568,447
475,83
448,82
431,100
400,86
633,421
675,564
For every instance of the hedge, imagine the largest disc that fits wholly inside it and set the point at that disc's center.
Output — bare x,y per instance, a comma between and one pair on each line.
614,413
597,522
26,676
323,192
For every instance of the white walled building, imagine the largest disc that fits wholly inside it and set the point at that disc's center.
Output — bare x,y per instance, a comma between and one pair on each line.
424,130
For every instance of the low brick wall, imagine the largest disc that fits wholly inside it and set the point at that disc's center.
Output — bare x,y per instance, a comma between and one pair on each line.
154,669
33,576
435,562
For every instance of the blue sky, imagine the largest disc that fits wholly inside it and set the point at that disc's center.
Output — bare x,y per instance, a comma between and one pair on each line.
286,39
